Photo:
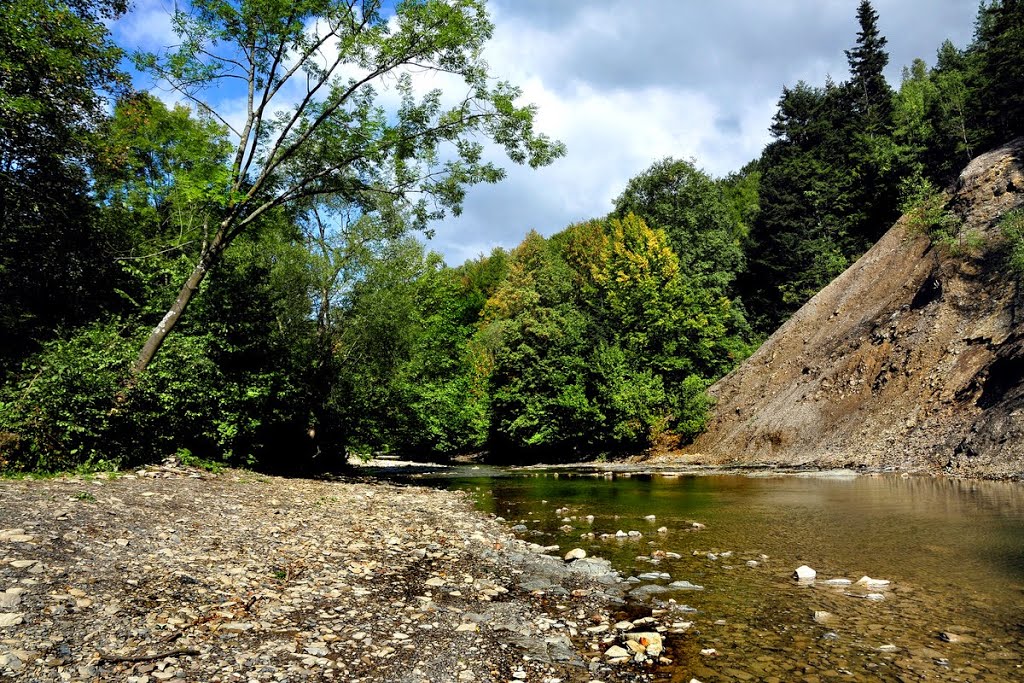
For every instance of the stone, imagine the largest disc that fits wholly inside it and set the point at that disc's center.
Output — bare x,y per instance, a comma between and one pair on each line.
823,617
10,619
753,563
435,582
709,652
650,518
10,599
872,583
804,573
575,554
838,582
615,652
685,586
650,641
22,564
620,534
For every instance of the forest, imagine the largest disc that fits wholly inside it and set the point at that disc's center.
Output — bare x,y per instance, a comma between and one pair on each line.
262,294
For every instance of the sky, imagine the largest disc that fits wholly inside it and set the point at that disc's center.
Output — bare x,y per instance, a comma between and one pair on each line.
625,83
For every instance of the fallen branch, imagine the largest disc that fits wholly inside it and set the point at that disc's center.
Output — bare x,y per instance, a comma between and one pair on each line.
148,658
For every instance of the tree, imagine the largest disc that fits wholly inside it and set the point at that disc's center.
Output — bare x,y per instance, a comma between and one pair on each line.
57,62
870,93
686,203
335,141
999,76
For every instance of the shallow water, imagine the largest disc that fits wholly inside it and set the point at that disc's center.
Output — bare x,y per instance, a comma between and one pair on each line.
953,551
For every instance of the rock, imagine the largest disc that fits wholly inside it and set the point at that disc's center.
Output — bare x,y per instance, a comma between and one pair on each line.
620,534
645,592
467,627
662,529
685,586
22,564
697,525
10,599
615,652
633,534
653,576
823,617
10,619
575,554
649,642
709,652
874,597
650,518
435,582
838,582
804,573
887,648
871,583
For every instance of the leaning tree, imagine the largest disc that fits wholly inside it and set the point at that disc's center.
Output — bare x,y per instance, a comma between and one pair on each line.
316,78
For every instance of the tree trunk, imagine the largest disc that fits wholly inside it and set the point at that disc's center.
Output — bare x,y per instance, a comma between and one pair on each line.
207,260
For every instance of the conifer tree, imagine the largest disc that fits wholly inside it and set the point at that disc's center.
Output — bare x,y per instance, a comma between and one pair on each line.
870,93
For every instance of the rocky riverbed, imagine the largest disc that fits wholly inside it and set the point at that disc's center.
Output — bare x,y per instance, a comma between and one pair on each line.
174,574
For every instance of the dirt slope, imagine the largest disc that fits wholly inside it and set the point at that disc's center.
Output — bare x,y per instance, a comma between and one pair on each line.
912,358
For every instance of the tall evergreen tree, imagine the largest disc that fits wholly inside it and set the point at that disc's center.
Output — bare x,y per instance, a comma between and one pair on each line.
999,76
870,93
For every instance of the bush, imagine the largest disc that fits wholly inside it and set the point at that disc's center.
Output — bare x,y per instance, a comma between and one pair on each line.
1012,227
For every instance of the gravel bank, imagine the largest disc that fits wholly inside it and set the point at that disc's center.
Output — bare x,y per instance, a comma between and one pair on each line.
172,574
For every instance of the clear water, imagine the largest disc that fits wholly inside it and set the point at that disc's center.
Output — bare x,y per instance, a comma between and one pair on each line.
953,551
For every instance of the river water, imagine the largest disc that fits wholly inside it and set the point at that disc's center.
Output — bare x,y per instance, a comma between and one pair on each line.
953,552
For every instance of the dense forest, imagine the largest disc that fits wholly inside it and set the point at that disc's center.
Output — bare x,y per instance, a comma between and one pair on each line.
260,293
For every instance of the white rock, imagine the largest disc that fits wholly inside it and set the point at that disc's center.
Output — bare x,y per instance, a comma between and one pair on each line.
709,652
575,554
10,619
620,534
650,518
685,586
634,534
822,617
838,582
616,652
662,529
872,583
804,573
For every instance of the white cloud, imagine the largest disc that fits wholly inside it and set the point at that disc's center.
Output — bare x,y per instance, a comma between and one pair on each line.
625,83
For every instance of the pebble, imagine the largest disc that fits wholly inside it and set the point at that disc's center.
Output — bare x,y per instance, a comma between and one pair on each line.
575,554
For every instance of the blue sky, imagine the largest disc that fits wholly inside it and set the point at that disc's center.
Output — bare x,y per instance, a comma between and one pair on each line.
627,82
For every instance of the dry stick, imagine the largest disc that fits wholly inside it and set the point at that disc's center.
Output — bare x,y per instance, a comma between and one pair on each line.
148,658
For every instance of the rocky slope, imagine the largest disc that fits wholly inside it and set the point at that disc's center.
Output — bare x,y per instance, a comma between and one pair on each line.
913,358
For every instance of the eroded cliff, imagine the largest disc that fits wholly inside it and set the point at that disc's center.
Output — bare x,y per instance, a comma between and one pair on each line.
913,358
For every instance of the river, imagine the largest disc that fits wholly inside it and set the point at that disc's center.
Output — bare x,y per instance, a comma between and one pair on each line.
951,550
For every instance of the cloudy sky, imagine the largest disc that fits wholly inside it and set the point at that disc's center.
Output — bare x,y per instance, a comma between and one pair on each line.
624,83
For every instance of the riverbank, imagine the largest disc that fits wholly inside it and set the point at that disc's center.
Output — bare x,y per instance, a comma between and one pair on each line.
175,574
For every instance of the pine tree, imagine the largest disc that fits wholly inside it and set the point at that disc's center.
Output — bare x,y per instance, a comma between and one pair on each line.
870,93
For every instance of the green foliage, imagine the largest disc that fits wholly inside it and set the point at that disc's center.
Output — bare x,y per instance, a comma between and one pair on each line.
1012,227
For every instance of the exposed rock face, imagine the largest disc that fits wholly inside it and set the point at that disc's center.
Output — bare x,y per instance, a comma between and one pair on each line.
912,358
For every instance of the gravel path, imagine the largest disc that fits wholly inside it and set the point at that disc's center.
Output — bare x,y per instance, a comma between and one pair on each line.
172,574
